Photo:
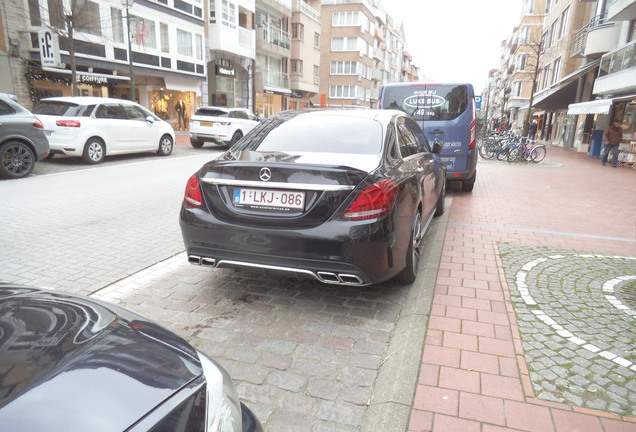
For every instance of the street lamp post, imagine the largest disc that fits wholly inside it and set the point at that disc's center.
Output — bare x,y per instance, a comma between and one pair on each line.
128,4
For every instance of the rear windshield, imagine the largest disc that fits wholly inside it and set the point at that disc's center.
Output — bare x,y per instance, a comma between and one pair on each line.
66,109
422,102
307,134
211,112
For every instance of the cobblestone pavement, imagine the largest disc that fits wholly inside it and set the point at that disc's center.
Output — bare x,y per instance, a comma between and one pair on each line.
578,337
305,356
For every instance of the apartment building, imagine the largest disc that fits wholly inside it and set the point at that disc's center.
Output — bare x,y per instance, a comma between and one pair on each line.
563,75
610,38
273,51
305,56
361,48
231,44
520,62
166,46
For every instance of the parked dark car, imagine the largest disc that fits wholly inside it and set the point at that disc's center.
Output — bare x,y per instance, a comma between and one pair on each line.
340,195
22,139
73,363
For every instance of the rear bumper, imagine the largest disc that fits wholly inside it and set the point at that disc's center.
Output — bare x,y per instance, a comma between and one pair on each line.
468,173
336,252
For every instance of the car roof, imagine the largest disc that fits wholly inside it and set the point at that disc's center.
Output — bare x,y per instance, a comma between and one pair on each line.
87,100
85,364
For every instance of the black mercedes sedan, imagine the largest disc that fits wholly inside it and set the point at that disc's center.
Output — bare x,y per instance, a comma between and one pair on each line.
73,363
343,196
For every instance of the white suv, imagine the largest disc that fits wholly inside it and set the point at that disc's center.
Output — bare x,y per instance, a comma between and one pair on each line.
220,125
95,127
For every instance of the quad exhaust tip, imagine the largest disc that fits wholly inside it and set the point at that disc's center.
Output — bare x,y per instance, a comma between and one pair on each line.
325,277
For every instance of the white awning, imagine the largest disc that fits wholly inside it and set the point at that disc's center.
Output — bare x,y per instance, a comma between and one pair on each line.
183,84
600,106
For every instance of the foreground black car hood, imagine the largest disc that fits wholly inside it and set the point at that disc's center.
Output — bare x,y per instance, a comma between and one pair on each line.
73,363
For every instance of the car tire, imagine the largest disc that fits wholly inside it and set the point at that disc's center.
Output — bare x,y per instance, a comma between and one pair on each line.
469,183
94,151
196,144
409,273
165,145
16,160
441,201
237,136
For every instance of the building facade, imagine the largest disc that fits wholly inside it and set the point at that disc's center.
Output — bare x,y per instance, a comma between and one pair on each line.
231,48
90,40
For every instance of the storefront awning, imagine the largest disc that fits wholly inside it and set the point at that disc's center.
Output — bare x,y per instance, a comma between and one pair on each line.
599,106
182,84
563,93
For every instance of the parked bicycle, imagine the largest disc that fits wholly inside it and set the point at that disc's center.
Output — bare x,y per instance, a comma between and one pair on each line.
527,150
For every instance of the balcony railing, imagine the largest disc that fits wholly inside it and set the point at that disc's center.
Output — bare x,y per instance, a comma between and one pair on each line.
277,36
619,60
580,39
275,79
302,7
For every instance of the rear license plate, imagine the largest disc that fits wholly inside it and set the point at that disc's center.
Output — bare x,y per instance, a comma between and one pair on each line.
260,198
207,124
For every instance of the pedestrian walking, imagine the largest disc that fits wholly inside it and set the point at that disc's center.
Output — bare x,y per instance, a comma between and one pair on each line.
532,130
612,137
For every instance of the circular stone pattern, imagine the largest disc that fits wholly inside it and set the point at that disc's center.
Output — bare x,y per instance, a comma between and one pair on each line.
577,328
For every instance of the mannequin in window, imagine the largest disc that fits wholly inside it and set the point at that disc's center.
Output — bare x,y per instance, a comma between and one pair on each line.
180,108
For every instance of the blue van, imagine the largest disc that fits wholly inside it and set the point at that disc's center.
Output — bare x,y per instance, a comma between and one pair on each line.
445,112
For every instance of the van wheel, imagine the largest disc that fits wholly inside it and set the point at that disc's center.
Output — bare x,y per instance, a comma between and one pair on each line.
94,151
469,184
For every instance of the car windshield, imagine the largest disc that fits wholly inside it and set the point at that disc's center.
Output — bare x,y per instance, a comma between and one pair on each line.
66,109
319,134
427,102
211,112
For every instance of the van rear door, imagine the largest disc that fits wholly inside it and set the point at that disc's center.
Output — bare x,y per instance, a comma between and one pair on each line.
445,112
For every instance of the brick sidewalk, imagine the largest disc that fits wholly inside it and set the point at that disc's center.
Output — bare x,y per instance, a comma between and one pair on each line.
474,374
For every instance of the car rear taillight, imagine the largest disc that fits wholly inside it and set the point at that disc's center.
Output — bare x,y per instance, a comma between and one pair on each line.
193,193
38,124
68,123
373,202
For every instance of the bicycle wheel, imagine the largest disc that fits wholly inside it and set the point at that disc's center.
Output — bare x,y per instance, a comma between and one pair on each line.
538,154
502,153
514,154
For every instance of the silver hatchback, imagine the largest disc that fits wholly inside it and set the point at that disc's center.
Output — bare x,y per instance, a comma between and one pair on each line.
22,139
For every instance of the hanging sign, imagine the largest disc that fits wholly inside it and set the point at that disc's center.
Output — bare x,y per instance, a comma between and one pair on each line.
49,49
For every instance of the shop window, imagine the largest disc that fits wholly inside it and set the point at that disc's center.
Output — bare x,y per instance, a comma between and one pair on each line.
165,37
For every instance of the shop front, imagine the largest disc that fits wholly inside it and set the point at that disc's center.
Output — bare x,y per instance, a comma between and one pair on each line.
50,82
593,118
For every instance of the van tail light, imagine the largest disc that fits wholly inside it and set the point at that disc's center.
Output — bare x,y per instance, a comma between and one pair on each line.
37,124
473,132
68,123
375,201
193,193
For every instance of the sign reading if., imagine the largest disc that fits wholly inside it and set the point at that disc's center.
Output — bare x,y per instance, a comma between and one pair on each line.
49,49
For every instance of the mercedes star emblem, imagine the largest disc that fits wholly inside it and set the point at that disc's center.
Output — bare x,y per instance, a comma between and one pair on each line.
265,174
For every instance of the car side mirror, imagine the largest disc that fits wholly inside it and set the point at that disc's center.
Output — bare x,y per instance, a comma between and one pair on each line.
149,119
437,146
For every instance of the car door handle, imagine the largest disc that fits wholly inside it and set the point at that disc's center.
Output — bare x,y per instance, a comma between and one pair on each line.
436,131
